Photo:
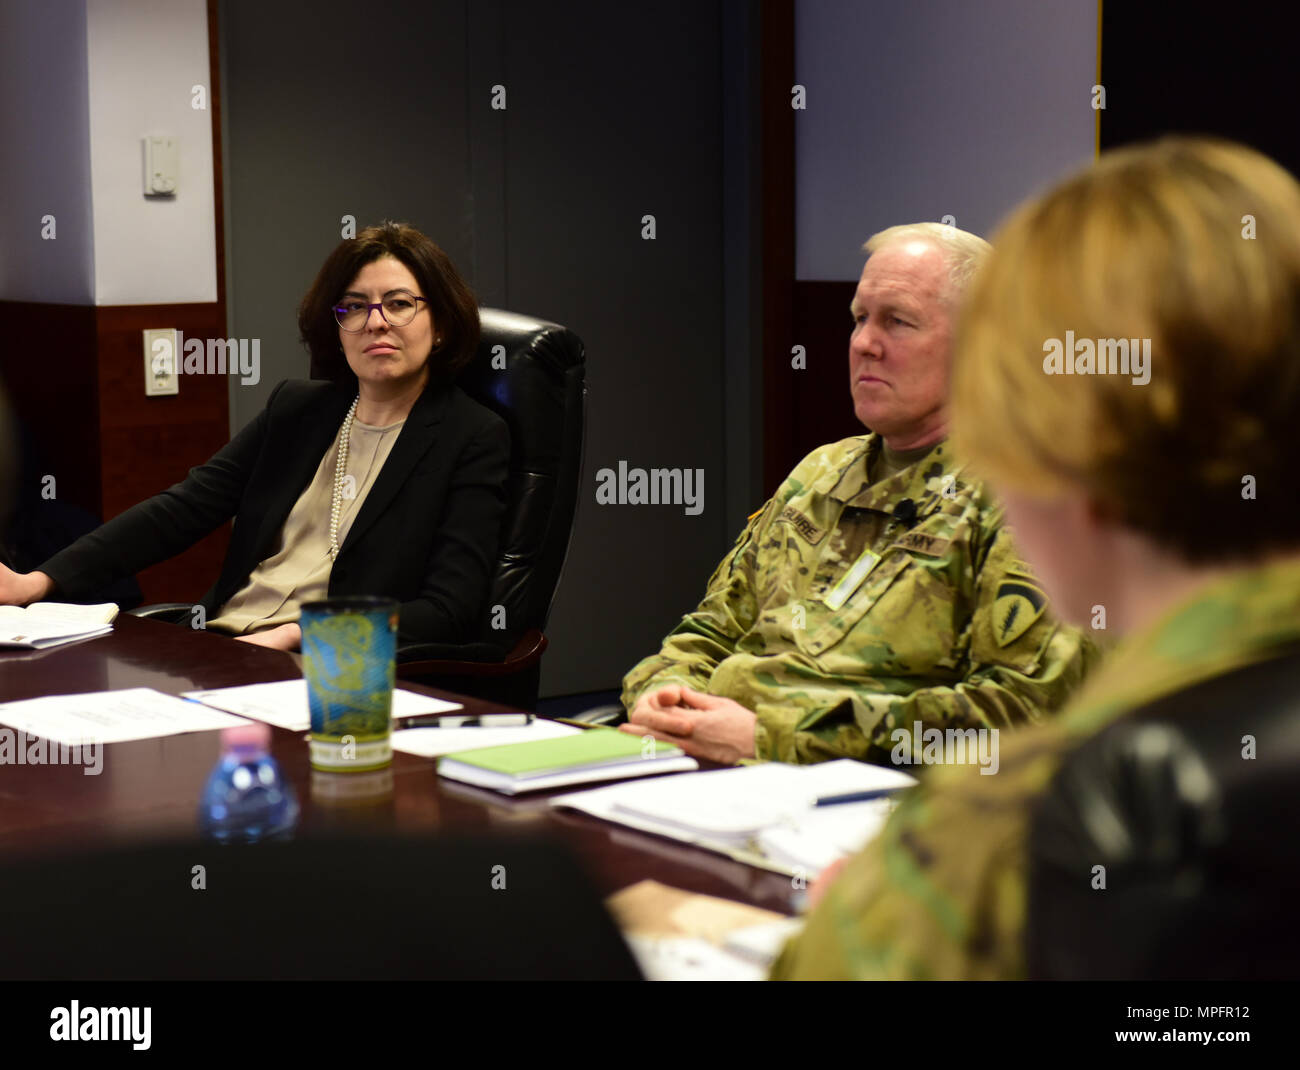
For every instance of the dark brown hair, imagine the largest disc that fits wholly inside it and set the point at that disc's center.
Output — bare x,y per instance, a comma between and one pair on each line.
451,301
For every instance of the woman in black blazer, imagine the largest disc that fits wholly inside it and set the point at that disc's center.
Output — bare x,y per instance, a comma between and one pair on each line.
385,480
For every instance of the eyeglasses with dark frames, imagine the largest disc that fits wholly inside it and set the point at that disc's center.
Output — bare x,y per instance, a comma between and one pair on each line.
398,308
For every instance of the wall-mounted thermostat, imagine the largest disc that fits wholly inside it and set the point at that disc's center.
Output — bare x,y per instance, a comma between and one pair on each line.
161,165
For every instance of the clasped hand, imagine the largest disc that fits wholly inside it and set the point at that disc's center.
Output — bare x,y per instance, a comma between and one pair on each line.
704,726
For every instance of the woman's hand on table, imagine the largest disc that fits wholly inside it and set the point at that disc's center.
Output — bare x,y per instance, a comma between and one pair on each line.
20,588
285,637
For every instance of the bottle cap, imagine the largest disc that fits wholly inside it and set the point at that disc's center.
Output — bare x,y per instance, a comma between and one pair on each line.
252,736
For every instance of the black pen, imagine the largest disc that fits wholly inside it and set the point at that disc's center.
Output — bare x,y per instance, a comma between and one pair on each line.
855,796
485,720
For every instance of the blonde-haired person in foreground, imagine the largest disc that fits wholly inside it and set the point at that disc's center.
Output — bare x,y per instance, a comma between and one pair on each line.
1158,499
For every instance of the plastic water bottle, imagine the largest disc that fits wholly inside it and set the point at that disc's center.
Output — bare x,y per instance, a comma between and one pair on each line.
246,798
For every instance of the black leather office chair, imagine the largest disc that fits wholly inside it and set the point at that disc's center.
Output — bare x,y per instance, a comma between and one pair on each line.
533,374
541,393
1200,843
364,906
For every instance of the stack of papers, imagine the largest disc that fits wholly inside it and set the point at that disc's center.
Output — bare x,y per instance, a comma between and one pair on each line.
112,716
593,754
284,703
685,958
46,624
764,815
745,954
683,936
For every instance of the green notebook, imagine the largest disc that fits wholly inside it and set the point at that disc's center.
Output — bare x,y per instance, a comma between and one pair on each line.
593,754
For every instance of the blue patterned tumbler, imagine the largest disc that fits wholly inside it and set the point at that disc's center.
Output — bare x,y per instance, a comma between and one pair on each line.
349,648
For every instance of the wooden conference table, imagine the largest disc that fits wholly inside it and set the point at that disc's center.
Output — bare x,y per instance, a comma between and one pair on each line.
150,788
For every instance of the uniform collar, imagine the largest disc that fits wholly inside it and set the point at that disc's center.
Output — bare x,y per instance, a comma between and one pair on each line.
1245,616
921,481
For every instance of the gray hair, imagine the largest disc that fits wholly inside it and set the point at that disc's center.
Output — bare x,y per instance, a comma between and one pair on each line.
962,250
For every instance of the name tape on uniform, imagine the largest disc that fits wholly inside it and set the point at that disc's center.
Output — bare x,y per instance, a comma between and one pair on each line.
811,532
920,543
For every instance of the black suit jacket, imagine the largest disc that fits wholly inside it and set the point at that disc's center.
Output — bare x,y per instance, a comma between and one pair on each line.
426,534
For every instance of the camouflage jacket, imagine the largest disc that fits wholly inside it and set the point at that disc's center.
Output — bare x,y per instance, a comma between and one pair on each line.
941,893
847,611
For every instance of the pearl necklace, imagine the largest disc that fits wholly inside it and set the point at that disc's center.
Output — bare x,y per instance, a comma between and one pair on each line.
340,473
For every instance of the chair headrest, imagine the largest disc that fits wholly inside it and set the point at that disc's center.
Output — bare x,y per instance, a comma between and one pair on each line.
532,373
1187,805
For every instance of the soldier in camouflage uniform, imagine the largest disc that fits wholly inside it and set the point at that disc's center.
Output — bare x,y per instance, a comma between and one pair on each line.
941,893
1137,498
836,622
877,589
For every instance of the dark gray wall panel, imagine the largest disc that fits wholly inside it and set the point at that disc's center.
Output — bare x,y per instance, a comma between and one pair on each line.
333,108
612,117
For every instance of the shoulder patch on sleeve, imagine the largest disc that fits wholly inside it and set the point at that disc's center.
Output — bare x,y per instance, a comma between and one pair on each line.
1017,605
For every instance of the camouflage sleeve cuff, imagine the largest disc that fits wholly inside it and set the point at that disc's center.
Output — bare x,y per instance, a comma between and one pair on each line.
774,734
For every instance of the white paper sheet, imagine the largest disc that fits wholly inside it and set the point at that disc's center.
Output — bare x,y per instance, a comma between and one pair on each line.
435,742
47,624
284,703
41,635
112,716
683,958
762,943
722,810
61,613
811,841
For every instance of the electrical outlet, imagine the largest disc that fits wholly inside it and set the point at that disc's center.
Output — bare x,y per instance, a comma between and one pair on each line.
161,375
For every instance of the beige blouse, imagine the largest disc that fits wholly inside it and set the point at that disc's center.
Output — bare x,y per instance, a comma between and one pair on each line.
299,569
